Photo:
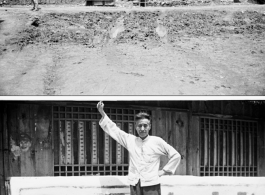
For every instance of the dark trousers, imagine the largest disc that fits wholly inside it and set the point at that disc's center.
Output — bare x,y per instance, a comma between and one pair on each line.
146,190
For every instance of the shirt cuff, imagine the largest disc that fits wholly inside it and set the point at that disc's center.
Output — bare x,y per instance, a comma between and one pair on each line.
168,172
104,120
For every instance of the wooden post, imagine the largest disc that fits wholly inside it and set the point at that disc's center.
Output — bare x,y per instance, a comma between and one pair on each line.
2,122
180,126
6,147
193,165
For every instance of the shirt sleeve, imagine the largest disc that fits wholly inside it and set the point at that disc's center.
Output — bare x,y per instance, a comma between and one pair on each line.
173,156
114,131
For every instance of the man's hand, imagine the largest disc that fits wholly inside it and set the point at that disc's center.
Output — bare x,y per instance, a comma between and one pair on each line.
100,107
161,173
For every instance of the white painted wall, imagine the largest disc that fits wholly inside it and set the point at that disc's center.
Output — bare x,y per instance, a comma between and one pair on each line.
170,185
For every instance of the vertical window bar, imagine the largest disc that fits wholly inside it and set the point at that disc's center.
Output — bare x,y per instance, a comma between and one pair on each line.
71,145
245,148
254,148
206,134
118,149
100,146
233,147
68,143
201,154
81,143
236,143
224,147
241,149
94,143
228,147
250,148
62,143
88,142
205,146
218,148
231,129
75,142
253,135
215,146
209,146
106,151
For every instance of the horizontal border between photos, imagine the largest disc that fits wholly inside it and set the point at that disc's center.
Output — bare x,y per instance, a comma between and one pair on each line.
128,98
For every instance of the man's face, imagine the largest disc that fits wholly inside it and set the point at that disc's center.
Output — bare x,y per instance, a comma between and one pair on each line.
143,127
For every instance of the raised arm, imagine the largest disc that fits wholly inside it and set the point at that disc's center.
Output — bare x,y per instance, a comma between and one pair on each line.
111,128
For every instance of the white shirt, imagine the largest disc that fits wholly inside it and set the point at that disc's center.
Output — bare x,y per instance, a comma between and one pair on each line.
144,154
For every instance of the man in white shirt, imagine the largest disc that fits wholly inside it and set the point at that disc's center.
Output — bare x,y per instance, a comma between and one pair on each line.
145,152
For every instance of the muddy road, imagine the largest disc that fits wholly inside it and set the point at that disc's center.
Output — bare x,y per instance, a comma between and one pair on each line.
209,50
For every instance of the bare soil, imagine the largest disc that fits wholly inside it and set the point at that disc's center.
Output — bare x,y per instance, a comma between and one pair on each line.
78,50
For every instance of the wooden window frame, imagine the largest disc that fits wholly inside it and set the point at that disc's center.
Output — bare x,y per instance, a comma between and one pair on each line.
228,147
101,155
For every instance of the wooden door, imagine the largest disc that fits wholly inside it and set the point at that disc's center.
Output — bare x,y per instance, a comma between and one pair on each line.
33,122
172,126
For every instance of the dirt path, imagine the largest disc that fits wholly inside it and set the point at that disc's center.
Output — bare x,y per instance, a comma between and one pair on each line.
167,62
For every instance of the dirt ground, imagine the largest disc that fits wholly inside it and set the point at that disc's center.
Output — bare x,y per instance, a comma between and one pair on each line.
78,50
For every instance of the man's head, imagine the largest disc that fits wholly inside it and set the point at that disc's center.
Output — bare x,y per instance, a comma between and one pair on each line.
143,124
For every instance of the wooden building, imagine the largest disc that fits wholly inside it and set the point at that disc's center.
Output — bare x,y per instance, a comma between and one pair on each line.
214,138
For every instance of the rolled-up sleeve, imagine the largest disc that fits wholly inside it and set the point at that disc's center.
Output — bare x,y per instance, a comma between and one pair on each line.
114,131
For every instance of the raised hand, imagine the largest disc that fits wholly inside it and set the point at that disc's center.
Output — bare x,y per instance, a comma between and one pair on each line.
100,107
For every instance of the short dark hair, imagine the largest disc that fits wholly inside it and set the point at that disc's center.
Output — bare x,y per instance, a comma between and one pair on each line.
142,115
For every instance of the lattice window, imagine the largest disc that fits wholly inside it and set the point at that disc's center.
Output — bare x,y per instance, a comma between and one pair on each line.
228,147
81,147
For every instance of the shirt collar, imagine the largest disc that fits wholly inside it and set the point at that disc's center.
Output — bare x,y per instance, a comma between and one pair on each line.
145,139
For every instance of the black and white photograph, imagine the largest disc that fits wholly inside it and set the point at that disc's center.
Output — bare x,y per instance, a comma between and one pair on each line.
132,97
209,147
132,47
